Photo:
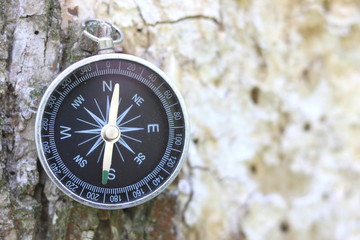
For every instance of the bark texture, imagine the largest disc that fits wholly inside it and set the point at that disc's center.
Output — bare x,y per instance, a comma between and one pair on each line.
272,92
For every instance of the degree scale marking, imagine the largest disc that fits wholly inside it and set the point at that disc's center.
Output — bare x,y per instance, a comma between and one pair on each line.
165,105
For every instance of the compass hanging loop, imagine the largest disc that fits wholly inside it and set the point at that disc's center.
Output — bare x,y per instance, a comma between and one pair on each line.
104,33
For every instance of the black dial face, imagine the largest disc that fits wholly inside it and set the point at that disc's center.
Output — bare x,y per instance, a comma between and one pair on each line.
113,132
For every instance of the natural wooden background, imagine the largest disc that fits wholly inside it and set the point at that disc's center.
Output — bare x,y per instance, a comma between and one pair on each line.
272,89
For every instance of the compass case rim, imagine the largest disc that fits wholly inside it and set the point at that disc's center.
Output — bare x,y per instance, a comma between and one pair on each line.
51,89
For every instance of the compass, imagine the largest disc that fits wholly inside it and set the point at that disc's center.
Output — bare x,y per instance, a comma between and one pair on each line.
111,130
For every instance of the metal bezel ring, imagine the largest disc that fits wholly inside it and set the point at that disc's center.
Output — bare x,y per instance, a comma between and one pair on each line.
39,143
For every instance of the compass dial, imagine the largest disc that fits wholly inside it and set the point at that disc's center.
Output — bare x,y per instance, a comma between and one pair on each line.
111,131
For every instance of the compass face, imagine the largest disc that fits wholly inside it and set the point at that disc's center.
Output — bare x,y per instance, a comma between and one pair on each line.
115,165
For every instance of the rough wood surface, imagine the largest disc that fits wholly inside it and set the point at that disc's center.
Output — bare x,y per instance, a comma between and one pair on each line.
272,91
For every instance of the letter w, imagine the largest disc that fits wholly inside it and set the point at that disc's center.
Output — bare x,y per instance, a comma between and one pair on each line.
64,132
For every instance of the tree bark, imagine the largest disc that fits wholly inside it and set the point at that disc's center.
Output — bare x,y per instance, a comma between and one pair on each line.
34,48
272,93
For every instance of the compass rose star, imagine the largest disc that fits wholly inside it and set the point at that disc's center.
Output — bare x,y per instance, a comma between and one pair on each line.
98,121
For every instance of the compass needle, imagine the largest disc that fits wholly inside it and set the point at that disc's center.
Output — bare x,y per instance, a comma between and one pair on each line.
107,161
105,148
110,133
114,105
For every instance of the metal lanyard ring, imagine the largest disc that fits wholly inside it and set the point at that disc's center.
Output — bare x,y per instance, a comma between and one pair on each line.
87,23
